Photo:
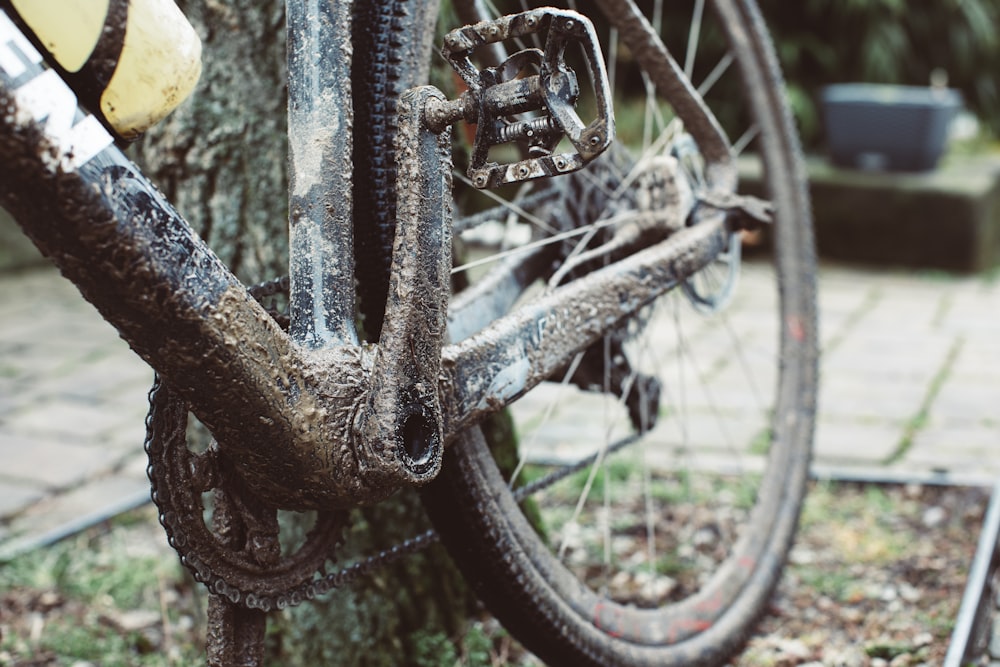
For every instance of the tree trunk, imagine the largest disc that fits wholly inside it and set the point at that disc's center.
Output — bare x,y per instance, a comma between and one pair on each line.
221,159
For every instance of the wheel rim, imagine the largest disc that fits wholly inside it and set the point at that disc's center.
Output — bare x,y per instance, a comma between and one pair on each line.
727,404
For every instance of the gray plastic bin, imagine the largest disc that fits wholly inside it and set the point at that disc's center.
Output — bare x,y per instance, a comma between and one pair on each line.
896,128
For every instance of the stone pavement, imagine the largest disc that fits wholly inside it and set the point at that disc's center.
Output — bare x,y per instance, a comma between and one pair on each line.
72,407
910,389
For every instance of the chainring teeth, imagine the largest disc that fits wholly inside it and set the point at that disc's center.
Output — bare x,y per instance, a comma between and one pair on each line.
234,573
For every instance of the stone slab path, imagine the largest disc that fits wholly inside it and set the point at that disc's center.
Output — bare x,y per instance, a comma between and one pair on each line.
910,389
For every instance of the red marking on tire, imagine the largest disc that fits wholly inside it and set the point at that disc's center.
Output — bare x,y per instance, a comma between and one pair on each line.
614,624
599,623
686,627
796,328
710,605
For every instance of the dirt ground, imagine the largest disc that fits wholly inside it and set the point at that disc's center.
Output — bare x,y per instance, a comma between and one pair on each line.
875,579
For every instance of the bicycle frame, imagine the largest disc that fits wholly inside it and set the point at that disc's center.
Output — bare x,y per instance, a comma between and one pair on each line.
316,420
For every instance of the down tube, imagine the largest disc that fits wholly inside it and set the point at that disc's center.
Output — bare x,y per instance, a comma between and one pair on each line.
90,211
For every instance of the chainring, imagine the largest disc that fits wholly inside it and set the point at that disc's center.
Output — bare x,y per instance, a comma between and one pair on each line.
240,556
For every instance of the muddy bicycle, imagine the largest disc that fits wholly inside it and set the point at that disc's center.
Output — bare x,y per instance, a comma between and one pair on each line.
655,538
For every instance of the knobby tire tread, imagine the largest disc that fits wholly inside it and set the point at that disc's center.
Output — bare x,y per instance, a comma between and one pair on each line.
378,77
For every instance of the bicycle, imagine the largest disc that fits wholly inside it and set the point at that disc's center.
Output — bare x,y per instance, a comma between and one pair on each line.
354,420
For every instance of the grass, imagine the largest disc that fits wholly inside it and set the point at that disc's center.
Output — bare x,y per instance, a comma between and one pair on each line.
59,606
837,584
616,470
479,646
109,596
859,530
108,648
919,421
761,443
869,578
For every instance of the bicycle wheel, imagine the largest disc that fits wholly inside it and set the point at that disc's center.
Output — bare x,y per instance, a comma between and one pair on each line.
654,532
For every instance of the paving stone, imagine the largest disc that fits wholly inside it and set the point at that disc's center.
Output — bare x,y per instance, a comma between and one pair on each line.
712,461
957,448
702,435
973,314
129,437
742,389
74,510
841,295
973,399
67,421
832,329
15,495
581,423
736,434
860,397
906,313
28,362
865,442
51,463
978,359
10,396
890,355
135,467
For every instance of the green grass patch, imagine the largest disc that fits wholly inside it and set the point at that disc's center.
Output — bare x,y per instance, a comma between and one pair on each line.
78,601
919,421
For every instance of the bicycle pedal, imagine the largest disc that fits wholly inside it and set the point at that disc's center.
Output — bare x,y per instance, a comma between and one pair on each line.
530,98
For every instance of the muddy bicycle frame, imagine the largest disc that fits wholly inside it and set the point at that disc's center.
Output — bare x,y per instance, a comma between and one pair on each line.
313,418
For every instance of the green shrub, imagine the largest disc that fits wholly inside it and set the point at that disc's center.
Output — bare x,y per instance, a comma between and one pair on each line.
886,41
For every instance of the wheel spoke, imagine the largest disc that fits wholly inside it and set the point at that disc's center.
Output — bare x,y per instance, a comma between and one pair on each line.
694,36
744,141
639,502
717,72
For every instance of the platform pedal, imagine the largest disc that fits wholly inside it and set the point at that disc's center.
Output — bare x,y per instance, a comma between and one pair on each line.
530,98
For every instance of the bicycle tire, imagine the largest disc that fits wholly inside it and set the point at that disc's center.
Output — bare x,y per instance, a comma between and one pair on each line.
390,40
510,565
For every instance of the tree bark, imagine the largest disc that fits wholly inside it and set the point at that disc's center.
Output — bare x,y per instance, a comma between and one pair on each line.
221,158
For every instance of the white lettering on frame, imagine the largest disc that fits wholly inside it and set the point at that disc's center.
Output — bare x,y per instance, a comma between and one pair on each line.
48,100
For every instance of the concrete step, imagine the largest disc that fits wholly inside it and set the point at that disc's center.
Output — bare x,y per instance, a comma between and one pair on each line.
945,219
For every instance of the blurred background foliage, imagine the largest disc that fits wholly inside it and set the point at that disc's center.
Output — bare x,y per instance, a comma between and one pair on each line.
820,42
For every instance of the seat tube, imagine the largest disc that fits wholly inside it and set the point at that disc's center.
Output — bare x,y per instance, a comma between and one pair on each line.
321,247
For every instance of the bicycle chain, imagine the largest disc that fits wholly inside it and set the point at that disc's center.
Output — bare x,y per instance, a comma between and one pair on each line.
259,579
255,575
